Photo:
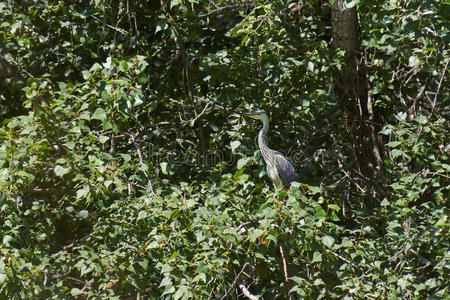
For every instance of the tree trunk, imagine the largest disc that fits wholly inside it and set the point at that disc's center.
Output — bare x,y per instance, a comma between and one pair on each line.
351,88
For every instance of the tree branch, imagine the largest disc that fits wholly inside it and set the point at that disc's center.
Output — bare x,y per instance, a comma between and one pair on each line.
246,292
141,162
439,87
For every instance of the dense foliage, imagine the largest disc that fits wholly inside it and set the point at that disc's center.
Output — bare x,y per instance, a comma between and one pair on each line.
126,173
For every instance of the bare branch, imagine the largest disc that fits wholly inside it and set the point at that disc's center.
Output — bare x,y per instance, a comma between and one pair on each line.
412,109
192,122
426,261
439,87
235,280
120,30
283,258
247,293
244,4
341,258
88,284
138,149
141,162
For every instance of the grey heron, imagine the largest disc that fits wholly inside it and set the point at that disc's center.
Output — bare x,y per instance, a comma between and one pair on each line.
279,169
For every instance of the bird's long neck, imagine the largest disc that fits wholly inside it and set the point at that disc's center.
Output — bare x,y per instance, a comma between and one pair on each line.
262,140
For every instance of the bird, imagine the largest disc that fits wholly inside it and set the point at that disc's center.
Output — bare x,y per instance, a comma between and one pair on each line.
279,168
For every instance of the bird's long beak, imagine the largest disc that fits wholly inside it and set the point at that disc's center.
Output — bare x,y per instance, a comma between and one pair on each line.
247,114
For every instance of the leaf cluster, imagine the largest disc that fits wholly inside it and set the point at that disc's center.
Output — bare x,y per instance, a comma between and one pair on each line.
126,173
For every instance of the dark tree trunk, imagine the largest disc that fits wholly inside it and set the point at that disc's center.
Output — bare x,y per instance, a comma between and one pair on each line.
351,88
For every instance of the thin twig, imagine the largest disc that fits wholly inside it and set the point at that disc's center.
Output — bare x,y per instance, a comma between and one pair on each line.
235,280
141,162
45,277
21,69
138,149
412,109
439,87
341,257
60,275
247,293
192,122
438,174
242,225
120,30
129,189
76,279
426,261
231,7
113,143
283,258
354,182
88,284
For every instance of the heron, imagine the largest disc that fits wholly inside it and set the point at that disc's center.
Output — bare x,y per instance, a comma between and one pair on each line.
279,168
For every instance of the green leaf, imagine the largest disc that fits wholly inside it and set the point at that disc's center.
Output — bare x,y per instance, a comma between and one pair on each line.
76,292
351,4
255,233
242,162
401,116
161,26
108,62
6,239
421,119
385,203
294,61
234,145
310,66
86,74
314,189
3,278
320,212
346,243
174,3
123,66
334,207
173,255
142,215
137,101
413,61
107,183
394,144
317,257
396,153
99,114
200,277
141,67
83,214
61,171
175,213
103,139
16,26
328,241
81,193
165,282
165,167
85,269
85,115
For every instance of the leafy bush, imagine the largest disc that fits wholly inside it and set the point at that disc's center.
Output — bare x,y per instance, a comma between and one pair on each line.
126,174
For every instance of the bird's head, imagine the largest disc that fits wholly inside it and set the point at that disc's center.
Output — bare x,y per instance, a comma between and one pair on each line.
258,114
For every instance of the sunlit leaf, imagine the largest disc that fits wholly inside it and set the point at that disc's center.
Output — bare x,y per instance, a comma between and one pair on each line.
83,214
61,171
99,114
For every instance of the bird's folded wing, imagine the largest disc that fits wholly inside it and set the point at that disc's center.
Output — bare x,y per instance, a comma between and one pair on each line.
285,170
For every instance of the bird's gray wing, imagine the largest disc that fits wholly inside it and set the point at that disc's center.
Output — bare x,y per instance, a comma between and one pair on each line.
285,170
